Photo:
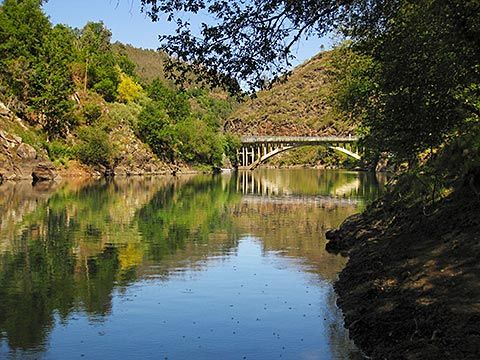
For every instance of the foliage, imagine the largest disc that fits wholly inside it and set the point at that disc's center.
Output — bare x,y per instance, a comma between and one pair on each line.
34,63
156,129
128,89
59,151
91,112
63,78
100,63
94,147
199,143
174,102
124,114
423,55
23,26
231,144
418,106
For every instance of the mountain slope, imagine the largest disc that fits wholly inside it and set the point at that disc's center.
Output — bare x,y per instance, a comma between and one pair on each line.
298,105
150,64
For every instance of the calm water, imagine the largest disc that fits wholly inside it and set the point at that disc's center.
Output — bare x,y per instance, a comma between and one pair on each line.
225,267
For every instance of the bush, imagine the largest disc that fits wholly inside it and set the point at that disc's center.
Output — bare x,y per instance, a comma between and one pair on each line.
124,114
91,113
58,150
94,147
128,89
200,144
231,145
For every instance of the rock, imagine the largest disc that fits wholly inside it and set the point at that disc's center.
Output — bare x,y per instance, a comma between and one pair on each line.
43,172
4,110
26,152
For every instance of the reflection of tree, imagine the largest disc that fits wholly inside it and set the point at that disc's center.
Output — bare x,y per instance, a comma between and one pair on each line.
188,214
75,247
41,277
59,261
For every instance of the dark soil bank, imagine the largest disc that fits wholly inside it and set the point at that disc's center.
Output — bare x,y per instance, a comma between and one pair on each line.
411,289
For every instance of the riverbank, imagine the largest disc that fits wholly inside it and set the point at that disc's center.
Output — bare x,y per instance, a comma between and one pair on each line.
410,289
23,156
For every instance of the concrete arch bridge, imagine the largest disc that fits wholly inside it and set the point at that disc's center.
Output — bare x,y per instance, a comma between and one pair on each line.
255,150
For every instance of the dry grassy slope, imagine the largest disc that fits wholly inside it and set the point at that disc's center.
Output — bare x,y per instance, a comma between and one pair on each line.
150,63
297,106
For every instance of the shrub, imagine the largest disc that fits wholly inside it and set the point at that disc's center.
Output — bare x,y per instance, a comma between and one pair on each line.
128,89
58,150
91,113
94,147
199,143
124,114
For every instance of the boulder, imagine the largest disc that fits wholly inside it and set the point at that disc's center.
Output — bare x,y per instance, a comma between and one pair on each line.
43,172
26,152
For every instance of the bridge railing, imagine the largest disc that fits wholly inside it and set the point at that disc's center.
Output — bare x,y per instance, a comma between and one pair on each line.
297,139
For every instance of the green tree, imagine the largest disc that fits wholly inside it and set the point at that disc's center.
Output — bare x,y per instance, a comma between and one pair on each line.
23,26
173,101
426,56
156,129
51,82
99,62
198,143
94,147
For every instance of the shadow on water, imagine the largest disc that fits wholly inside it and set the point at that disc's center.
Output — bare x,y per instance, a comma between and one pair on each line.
72,251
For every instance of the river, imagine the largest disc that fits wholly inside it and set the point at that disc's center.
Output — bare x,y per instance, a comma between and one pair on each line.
195,267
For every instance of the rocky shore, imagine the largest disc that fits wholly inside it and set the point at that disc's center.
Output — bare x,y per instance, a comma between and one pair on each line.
22,161
411,288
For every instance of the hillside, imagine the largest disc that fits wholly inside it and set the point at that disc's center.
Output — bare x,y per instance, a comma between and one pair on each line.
149,63
297,105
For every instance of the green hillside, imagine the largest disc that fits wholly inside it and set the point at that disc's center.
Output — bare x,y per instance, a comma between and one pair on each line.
298,105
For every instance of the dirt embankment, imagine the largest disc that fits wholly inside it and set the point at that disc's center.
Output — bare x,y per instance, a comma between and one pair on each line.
411,288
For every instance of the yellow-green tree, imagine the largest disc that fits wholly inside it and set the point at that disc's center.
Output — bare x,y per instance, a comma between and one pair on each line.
128,90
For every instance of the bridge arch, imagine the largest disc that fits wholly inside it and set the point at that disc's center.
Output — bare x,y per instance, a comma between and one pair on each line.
255,150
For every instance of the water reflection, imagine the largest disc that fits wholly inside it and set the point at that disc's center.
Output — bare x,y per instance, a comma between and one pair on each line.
83,260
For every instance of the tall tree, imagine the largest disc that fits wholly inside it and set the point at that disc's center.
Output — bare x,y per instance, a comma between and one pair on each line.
52,82
99,61
23,26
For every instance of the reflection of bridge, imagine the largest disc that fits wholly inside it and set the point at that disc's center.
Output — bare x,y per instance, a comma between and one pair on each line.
257,149
257,188
319,201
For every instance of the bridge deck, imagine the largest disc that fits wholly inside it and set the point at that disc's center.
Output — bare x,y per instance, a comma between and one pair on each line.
297,139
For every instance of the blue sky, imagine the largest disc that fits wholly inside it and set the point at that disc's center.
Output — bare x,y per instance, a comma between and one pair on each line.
129,25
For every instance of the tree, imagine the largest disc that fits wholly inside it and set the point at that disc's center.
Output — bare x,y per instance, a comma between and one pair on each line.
128,89
250,39
155,128
100,71
174,102
23,26
51,82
